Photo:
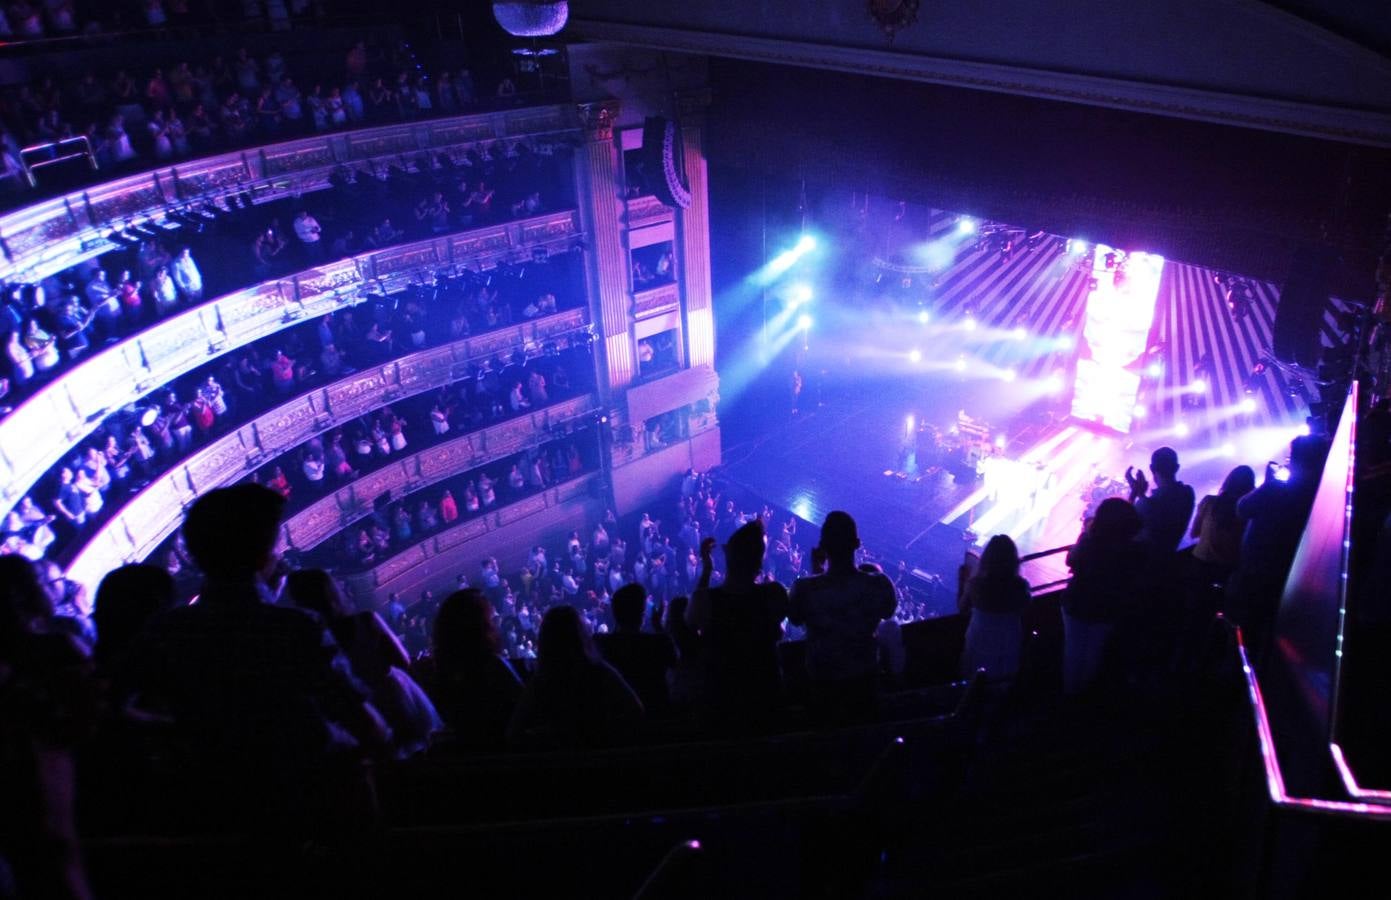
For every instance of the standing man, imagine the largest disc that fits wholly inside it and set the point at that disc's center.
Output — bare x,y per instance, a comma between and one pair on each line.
840,609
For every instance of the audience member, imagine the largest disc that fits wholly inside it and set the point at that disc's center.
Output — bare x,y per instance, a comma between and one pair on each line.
474,687
575,699
994,598
263,689
740,624
840,609
644,659
1108,563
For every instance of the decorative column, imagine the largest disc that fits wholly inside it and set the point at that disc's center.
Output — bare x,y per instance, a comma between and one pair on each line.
596,177
694,225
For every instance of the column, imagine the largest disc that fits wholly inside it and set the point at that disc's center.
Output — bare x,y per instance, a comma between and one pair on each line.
694,227
596,178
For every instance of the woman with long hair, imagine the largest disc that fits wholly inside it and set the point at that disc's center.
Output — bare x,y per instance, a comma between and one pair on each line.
994,598
576,699
473,686
1218,528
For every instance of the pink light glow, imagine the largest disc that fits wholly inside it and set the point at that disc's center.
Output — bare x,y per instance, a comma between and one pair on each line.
1120,311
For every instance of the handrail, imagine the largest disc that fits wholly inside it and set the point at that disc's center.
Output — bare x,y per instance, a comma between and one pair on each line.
46,237
338,510
1028,557
1274,778
154,514
75,402
57,145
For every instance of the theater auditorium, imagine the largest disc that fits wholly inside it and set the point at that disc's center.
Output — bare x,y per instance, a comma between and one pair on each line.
594,448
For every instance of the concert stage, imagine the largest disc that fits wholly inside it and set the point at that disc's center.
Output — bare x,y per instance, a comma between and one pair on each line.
997,337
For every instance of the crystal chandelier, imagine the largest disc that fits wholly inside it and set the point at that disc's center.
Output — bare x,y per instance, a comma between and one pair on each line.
532,18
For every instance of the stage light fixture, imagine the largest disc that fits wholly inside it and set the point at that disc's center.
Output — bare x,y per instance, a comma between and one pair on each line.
1154,369
804,322
1009,374
1076,247
1181,429
1228,449
1198,386
970,323
1248,405
1055,383
1305,430
960,364
1001,442
800,293
1020,333
806,243
915,355
1066,342
924,317
967,225
908,424
1140,411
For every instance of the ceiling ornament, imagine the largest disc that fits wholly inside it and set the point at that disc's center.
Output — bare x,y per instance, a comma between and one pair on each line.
532,18
893,15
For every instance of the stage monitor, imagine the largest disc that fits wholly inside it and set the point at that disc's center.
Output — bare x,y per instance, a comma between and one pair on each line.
1123,293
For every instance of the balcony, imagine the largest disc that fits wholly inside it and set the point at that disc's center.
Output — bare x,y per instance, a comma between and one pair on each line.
153,514
50,236
77,400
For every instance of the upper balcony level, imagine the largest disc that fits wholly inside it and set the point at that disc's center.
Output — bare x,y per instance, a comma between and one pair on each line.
75,403
47,237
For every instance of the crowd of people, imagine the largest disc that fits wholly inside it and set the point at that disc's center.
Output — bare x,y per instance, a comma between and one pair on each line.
134,445
392,528
137,119
52,324
606,631
1135,600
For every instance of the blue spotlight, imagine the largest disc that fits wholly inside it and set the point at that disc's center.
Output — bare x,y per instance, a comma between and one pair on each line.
804,322
806,243
799,294
967,225
924,316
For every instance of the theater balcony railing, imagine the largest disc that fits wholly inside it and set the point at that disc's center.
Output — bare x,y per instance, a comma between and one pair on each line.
41,430
151,516
441,549
47,237
340,509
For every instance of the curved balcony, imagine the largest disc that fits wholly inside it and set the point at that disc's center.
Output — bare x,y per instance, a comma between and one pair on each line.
435,559
50,236
78,399
326,517
144,522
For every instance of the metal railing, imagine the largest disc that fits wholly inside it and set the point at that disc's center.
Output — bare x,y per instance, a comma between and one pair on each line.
53,153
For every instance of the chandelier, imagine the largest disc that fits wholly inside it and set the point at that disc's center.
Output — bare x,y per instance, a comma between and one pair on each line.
531,18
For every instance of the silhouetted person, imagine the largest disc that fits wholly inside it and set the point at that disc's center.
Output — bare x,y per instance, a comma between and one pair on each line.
262,691
740,624
642,659
1108,563
1275,515
575,699
127,598
1218,528
1165,512
47,705
377,658
475,689
840,610
995,598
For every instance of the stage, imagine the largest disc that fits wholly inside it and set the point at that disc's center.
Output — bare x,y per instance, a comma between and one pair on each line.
995,339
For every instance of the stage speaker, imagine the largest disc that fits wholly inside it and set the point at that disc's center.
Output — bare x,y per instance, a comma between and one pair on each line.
1303,299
